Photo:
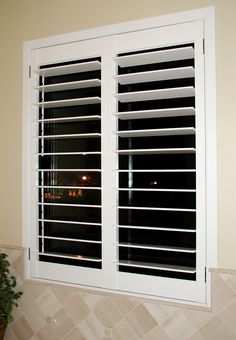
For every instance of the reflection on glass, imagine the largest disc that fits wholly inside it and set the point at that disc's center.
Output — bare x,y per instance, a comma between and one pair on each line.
76,196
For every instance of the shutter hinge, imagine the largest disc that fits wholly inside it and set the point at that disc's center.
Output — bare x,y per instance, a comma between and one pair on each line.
205,274
203,45
29,71
28,253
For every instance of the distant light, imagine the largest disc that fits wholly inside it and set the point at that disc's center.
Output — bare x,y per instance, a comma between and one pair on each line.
84,178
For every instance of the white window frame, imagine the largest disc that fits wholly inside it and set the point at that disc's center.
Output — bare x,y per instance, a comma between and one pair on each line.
206,15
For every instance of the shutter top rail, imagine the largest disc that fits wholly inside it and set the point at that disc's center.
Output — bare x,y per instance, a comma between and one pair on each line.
155,57
157,266
157,113
158,75
69,69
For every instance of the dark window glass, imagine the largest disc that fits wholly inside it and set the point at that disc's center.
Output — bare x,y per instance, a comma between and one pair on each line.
69,211
161,181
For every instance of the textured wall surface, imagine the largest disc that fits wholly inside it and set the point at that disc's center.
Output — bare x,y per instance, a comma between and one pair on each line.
82,315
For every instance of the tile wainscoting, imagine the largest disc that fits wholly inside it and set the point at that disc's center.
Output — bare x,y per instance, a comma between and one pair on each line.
86,315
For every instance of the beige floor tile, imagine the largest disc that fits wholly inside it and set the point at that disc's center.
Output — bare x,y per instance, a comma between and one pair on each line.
216,330
48,332
140,320
75,335
36,289
124,305
22,329
63,324
228,315
230,279
48,303
10,334
160,312
91,328
76,308
35,337
13,254
92,300
178,327
196,336
18,265
198,317
63,294
123,330
222,294
107,313
26,299
17,312
157,333
34,317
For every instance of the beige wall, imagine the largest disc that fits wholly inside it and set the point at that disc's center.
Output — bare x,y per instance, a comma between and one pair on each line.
29,19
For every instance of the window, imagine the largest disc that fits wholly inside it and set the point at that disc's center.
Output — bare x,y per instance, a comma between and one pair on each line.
118,130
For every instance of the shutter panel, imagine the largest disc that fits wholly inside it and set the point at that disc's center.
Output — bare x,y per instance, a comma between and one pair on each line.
156,176
67,98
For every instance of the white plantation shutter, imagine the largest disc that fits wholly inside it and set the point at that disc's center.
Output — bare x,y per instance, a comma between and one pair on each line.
67,98
159,160
118,158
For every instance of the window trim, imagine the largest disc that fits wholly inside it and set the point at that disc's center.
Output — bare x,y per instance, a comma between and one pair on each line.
204,14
